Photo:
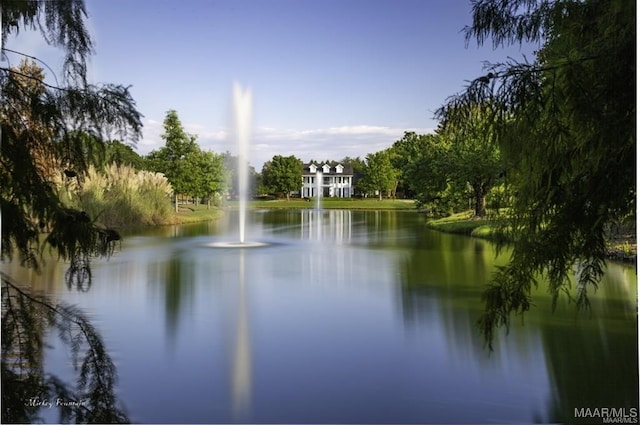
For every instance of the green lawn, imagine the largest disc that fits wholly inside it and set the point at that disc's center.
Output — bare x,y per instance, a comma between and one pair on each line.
189,213
333,203
193,213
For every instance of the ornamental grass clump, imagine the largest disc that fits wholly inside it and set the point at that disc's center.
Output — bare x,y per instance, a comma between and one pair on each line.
121,196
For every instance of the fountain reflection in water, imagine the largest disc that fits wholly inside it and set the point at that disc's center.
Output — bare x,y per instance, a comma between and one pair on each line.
241,376
318,189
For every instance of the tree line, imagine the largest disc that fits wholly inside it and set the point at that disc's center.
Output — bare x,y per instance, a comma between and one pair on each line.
441,171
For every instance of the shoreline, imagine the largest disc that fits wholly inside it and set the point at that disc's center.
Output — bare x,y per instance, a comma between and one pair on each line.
192,213
622,248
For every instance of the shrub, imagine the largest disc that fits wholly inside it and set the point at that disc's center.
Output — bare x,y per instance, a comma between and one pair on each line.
120,196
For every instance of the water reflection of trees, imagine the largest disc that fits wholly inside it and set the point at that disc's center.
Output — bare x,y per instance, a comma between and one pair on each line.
592,358
26,319
596,368
590,361
442,277
176,278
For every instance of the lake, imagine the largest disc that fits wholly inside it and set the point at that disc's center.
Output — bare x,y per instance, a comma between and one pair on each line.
343,317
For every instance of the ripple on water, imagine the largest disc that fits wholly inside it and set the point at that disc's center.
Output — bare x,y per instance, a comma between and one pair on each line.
235,244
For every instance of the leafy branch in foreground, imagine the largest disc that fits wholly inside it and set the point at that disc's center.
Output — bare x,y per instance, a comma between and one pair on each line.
25,320
44,136
566,127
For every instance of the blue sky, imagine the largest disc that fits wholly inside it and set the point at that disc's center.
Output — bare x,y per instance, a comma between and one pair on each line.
329,78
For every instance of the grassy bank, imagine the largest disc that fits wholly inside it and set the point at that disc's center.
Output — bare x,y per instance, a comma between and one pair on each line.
621,246
464,223
196,213
332,203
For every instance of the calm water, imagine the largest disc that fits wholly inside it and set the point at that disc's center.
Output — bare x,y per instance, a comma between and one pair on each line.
347,317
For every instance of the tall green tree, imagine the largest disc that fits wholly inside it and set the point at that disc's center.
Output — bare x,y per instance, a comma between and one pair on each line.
380,174
403,152
568,130
211,178
473,154
283,174
422,161
177,158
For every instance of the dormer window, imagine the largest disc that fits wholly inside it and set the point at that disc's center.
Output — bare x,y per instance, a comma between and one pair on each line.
339,169
326,168
312,168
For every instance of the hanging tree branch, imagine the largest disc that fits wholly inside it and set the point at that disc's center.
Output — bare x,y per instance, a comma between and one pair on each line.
93,400
566,125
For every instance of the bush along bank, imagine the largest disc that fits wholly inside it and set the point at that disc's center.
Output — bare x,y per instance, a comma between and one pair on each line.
123,197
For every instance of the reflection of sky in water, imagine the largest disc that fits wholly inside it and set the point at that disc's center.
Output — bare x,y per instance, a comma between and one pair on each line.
348,317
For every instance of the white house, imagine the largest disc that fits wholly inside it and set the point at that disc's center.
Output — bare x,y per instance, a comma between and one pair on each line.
337,180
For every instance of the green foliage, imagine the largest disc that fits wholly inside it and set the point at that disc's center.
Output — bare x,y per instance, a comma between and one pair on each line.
380,175
175,160
567,130
473,156
120,196
189,170
231,177
500,196
422,162
462,223
122,154
211,178
282,174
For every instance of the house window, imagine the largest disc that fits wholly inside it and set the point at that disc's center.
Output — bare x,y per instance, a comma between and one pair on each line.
339,168
326,168
312,168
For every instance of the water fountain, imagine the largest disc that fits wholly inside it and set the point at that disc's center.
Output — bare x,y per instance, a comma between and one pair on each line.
318,189
242,108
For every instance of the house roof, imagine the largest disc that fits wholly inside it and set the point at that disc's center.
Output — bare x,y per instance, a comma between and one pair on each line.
347,169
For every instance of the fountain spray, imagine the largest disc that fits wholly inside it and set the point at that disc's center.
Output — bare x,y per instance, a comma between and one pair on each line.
242,106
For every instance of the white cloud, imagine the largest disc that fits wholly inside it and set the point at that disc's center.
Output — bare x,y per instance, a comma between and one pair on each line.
333,143
151,139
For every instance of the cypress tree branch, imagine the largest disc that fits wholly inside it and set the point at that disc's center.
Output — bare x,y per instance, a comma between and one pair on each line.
566,124
97,373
